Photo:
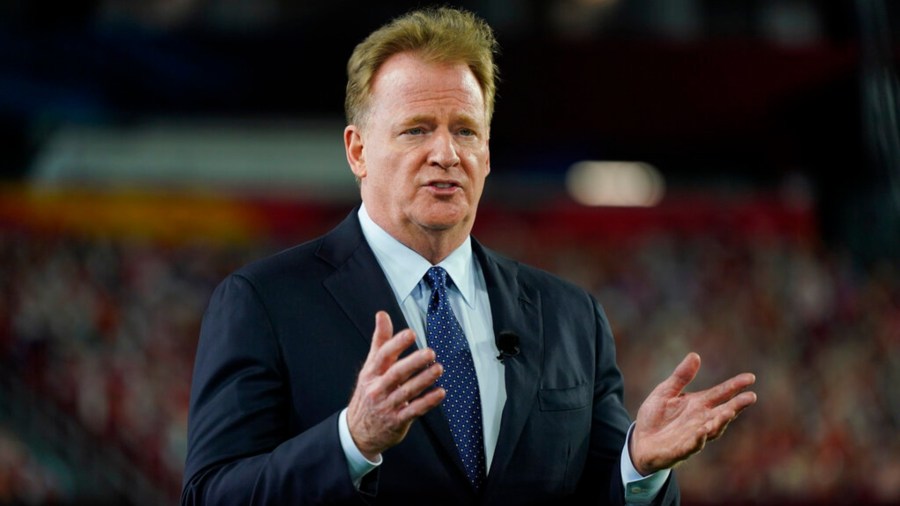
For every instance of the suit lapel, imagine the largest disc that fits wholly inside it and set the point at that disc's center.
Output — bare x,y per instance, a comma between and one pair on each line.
361,289
358,284
515,307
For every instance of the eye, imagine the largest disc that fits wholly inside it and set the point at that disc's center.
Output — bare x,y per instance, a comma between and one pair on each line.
414,131
466,132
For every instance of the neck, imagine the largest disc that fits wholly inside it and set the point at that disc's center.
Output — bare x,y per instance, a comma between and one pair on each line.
434,246
432,236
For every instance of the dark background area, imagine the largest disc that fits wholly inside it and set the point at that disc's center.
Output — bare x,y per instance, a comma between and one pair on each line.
739,93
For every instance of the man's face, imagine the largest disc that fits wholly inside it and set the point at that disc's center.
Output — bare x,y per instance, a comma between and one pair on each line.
422,153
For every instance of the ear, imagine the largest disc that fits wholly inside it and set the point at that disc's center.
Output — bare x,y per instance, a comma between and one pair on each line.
353,145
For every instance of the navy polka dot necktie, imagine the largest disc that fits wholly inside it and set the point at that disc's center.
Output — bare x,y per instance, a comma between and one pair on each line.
462,405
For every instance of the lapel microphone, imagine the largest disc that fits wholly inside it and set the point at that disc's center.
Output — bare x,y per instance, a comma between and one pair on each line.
508,344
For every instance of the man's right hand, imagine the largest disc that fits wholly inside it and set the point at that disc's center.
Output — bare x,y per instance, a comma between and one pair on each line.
389,392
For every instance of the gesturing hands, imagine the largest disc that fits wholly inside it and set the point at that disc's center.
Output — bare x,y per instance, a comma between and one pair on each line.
388,395
673,425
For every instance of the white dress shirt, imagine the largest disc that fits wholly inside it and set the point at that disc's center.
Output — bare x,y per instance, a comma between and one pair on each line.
405,270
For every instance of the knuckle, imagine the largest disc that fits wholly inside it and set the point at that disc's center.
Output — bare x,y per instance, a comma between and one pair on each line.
371,396
391,376
403,393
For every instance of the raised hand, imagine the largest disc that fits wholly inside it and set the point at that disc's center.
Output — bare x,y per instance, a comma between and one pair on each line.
388,395
672,425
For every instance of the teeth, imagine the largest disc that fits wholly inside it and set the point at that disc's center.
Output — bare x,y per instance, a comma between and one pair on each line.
443,185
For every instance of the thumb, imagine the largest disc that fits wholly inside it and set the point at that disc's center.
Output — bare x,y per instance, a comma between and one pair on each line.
384,329
683,374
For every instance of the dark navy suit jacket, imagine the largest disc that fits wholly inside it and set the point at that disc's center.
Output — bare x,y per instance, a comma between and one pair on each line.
280,348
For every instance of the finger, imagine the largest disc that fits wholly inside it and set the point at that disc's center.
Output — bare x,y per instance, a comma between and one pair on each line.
407,391
390,351
726,390
381,334
406,367
384,328
401,371
741,402
727,413
685,373
423,404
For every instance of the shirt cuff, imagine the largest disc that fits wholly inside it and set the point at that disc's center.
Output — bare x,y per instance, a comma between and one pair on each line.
358,464
639,489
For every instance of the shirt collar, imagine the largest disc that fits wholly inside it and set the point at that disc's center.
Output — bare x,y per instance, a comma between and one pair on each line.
405,268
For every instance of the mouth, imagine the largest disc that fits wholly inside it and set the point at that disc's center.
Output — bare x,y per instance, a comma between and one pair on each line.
443,185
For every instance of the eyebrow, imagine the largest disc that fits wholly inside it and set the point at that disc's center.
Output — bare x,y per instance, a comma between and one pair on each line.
419,118
464,119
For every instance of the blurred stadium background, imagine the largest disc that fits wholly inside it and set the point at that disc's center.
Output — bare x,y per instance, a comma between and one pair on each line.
149,147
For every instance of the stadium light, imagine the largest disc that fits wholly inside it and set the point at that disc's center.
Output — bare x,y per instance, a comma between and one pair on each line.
620,184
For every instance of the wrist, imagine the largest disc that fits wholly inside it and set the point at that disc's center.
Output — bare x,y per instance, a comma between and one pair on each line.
640,464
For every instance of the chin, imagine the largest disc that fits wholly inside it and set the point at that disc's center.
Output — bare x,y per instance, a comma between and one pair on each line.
442,221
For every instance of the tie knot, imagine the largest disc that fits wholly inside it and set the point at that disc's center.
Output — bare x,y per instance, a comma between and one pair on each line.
436,277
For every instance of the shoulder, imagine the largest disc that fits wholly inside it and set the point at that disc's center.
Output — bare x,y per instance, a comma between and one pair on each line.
530,277
294,259
306,262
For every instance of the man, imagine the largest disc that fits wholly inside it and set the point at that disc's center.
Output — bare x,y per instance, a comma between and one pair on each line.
501,387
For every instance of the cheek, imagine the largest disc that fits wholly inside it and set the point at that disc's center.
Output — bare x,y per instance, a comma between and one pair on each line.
480,168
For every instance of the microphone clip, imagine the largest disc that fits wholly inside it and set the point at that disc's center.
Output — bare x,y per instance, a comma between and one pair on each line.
508,344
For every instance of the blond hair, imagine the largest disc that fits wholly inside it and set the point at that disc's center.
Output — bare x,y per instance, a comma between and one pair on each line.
441,35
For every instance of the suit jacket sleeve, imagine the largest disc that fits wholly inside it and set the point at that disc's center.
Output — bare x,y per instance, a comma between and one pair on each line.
609,426
240,450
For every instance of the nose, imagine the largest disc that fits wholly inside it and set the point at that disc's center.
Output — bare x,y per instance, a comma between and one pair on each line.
443,150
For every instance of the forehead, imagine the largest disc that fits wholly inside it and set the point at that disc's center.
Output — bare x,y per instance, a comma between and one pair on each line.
405,81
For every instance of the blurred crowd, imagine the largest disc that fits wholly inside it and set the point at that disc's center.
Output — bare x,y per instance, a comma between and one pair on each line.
24,479
106,329
822,336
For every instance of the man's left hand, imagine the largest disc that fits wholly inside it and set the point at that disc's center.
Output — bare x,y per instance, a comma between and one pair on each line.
672,425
